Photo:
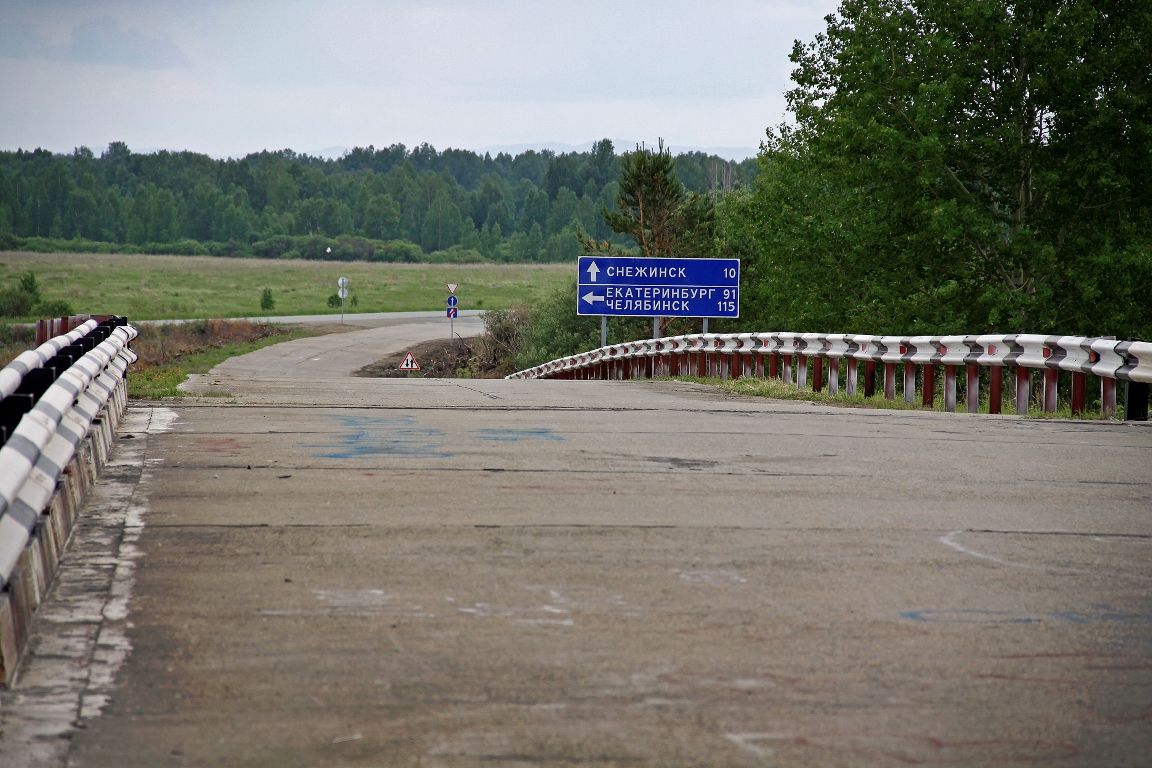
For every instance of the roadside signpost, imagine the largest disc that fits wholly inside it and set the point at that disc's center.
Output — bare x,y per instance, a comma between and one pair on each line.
625,286
342,284
409,365
452,311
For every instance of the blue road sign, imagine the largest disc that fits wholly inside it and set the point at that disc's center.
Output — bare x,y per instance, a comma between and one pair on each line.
453,301
638,287
452,311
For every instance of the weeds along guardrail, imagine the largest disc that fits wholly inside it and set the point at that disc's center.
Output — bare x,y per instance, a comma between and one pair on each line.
802,355
61,404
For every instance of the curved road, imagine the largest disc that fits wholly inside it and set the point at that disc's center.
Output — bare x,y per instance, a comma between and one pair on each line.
382,572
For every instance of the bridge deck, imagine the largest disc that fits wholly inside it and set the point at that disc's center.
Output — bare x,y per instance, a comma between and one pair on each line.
341,571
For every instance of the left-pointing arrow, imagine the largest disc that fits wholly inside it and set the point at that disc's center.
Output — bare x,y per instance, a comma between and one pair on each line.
591,297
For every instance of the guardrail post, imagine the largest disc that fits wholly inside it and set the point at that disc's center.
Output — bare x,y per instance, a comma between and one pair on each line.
759,366
817,374
950,388
928,396
1079,387
787,368
1023,390
833,376
801,372
1107,396
850,377
889,381
910,381
1051,377
773,366
1135,401
869,378
972,389
995,389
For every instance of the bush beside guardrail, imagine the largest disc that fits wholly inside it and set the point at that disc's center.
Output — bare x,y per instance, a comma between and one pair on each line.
784,355
61,404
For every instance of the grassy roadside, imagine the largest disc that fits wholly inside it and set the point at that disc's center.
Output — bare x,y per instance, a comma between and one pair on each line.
779,390
163,287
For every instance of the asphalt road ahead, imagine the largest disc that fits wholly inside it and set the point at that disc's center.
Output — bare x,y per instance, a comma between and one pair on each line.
335,571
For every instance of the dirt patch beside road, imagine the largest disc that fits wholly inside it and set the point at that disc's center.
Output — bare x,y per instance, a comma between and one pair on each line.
438,359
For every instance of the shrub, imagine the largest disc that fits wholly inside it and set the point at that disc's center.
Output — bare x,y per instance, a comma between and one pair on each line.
14,303
53,309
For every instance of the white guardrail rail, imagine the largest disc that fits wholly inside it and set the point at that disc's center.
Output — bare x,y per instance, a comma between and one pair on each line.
784,355
60,406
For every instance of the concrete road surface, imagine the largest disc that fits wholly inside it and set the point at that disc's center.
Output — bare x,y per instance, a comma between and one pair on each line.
335,571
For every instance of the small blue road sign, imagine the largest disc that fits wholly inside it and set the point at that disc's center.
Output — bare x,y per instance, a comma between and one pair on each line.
453,301
452,312
639,287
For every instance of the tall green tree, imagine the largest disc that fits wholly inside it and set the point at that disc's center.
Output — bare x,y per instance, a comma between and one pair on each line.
960,166
442,223
654,209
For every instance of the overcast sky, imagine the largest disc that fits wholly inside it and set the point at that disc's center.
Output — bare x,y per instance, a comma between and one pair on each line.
228,78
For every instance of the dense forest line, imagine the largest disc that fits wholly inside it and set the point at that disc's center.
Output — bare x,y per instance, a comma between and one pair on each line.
391,204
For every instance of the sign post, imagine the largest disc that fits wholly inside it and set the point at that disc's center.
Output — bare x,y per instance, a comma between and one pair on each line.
452,302
409,364
343,292
642,287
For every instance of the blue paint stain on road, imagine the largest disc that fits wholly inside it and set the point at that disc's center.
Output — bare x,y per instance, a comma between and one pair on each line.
975,616
516,435
374,436
956,616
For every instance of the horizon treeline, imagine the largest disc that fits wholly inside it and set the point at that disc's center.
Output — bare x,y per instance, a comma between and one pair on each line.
390,204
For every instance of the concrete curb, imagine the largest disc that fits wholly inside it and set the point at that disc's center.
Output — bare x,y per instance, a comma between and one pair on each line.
38,565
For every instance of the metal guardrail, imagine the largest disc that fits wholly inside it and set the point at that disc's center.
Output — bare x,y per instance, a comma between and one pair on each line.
777,354
58,390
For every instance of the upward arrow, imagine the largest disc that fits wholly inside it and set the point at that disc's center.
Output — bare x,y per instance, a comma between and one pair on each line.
593,270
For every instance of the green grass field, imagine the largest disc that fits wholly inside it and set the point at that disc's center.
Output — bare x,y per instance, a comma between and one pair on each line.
161,287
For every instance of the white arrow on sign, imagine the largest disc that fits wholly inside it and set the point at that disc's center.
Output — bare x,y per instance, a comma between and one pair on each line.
593,270
452,287
592,298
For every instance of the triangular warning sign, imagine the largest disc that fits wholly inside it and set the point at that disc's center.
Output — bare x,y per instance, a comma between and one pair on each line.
452,287
409,363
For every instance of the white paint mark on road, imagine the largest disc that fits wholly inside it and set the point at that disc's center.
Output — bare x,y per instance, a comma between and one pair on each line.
547,622
949,541
711,578
353,737
747,742
159,420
